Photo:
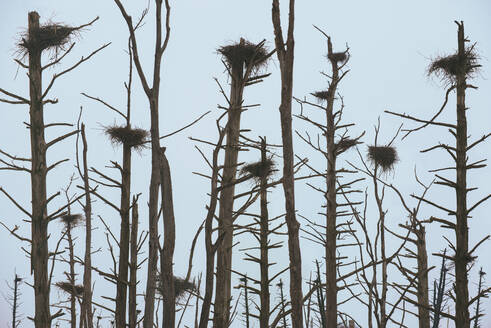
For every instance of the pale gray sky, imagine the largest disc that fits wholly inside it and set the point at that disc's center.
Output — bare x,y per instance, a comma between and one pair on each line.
391,45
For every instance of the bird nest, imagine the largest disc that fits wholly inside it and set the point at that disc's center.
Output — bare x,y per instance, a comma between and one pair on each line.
259,170
345,144
67,287
321,95
124,135
383,156
338,57
72,220
245,53
50,36
181,286
449,67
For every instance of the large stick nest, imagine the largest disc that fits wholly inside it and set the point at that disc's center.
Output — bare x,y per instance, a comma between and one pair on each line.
124,135
245,53
449,67
67,287
338,57
321,95
181,286
259,170
50,36
383,156
71,220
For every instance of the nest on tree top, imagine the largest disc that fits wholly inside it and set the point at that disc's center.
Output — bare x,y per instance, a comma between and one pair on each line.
49,36
259,170
67,287
383,156
124,135
71,220
338,57
245,53
449,67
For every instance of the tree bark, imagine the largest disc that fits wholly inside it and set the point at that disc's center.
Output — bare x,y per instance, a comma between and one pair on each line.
167,252
86,309
331,208
132,314
124,238
462,234
264,247
285,57
39,251
226,204
423,294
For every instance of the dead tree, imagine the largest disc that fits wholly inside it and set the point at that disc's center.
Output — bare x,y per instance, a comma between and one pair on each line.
285,53
86,313
13,301
374,252
456,69
328,234
152,92
242,61
130,138
41,39
217,186
260,172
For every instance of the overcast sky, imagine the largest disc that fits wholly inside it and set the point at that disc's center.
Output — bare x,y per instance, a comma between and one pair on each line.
391,44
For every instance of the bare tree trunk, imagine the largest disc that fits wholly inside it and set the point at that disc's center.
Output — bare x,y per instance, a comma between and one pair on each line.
423,293
133,265
331,208
152,93
285,57
86,308
264,247
39,252
71,278
462,234
226,204
167,252
124,239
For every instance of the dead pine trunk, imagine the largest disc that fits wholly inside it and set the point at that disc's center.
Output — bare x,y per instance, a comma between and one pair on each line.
167,251
152,93
264,247
86,308
39,252
423,292
226,203
331,208
285,53
462,234
124,238
132,314
71,277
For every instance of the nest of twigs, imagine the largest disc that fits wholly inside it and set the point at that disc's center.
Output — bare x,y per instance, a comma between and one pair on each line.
71,220
124,135
50,36
321,95
345,144
181,286
383,156
449,67
338,57
67,287
259,170
244,53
